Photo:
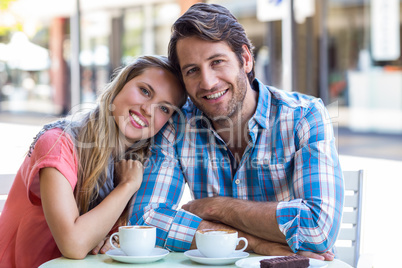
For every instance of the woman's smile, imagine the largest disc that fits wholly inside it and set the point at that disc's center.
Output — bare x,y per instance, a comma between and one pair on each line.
138,120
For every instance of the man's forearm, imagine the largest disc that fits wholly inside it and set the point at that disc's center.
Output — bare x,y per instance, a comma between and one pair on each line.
255,244
255,218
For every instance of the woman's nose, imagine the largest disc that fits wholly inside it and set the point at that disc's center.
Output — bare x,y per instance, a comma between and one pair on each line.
146,107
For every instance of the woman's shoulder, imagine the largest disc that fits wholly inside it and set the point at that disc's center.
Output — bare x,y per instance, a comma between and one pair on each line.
53,140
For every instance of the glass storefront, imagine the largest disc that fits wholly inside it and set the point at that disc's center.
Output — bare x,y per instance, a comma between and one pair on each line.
144,29
94,56
24,72
365,67
345,51
109,38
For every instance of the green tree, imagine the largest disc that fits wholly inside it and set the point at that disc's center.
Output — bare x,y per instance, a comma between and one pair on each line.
5,30
5,3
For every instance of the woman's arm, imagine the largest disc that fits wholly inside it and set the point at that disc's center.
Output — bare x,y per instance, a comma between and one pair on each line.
76,235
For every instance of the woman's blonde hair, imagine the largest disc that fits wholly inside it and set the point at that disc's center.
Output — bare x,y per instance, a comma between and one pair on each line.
99,138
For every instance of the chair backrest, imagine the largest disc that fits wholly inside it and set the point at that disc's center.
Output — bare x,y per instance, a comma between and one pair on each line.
6,180
348,242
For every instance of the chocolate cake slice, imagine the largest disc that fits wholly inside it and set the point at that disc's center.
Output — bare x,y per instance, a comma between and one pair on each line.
286,262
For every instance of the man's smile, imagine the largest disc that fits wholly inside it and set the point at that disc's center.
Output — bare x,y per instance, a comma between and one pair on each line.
215,95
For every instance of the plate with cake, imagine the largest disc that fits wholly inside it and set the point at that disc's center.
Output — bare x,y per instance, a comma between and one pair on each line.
280,261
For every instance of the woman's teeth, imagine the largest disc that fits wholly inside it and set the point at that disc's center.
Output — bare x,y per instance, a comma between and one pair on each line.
138,120
216,95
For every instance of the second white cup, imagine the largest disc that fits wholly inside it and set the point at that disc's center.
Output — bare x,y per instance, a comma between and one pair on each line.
218,243
136,240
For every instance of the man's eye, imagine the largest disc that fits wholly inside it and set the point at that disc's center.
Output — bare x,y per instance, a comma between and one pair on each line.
217,61
144,91
192,70
165,109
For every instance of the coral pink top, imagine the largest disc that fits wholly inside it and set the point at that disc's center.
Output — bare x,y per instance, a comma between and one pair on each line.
25,238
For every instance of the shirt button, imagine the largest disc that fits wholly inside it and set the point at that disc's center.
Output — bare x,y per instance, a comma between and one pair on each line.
237,181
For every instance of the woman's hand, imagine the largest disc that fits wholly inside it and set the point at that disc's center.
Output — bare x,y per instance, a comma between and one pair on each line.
129,171
102,247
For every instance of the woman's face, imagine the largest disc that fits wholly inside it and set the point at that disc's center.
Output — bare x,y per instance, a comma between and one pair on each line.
146,103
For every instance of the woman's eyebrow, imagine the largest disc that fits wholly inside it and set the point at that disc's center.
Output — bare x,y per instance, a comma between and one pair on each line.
153,92
150,87
167,103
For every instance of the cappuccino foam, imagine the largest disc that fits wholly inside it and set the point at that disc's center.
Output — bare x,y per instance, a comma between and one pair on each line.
217,232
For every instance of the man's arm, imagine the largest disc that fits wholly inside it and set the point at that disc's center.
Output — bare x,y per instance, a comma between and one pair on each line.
255,244
311,219
255,218
156,201
262,246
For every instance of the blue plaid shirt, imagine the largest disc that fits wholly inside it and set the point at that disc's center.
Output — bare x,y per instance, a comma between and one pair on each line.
291,158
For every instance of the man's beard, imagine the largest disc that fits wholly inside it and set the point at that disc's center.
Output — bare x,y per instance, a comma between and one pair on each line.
234,109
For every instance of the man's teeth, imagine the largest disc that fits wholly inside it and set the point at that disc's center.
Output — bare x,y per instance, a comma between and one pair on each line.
138,120
216,95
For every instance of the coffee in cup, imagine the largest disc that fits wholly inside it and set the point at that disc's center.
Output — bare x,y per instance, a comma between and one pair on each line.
135,240
219,243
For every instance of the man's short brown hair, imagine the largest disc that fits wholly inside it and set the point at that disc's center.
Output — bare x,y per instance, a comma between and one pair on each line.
213,23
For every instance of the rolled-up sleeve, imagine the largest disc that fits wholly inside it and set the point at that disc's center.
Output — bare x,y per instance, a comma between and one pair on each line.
312,220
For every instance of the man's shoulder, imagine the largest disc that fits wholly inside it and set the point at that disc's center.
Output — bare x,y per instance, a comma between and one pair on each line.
176,125
189,110
292,99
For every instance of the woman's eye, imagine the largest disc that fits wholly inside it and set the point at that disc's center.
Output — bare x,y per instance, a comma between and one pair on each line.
144,91
165,109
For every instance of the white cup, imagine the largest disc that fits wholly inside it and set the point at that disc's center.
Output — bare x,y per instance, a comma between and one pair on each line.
135,240
218,243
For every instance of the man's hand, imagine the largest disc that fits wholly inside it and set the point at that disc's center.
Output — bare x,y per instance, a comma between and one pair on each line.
327,256
268,248
264,247
205,208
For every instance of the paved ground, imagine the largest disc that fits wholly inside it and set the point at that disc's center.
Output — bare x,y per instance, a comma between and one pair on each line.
380,156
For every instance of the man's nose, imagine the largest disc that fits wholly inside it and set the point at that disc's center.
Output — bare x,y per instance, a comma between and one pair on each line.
208,79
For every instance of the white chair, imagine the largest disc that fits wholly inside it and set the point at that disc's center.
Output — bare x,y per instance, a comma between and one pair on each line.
6,180
348,242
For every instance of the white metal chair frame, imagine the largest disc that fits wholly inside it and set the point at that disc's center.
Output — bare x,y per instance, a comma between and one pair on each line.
351,218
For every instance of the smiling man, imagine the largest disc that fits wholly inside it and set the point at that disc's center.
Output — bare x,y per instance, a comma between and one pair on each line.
256,159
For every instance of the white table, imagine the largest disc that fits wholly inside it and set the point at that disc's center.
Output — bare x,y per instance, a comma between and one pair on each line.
173,260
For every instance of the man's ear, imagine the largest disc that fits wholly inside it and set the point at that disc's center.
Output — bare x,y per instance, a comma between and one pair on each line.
247,59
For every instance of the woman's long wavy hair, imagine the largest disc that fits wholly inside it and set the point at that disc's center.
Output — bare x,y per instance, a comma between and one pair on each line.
99,138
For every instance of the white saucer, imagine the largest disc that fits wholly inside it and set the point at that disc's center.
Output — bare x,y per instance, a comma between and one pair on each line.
196,256
156,254
255,262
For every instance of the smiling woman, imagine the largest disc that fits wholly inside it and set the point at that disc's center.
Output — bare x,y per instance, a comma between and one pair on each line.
146,102
74,184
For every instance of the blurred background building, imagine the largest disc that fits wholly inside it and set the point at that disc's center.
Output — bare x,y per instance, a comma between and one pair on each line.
56,55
